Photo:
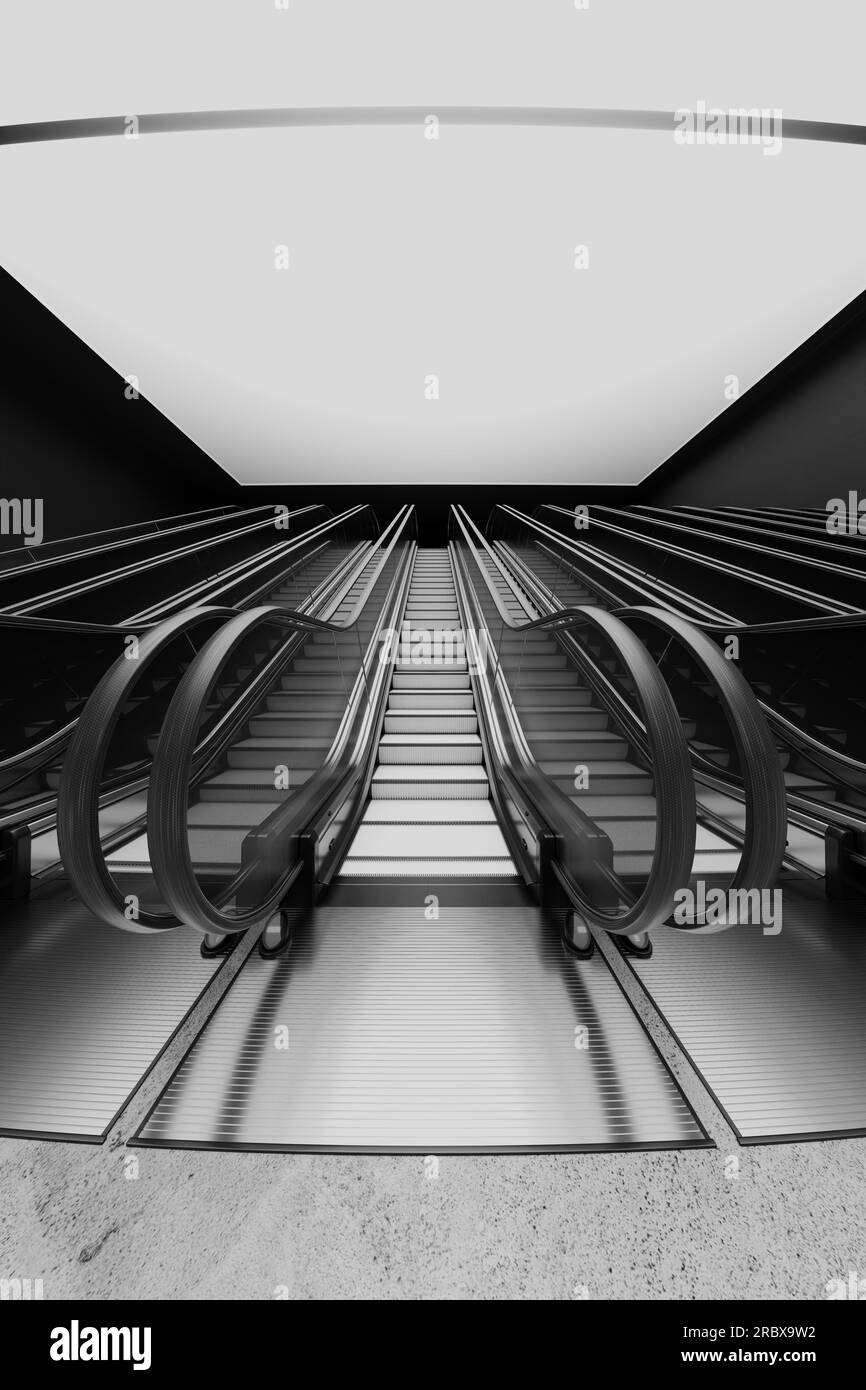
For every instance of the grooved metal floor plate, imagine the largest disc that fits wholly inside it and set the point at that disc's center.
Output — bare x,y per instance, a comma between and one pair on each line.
383,1031
775,1025
85,1010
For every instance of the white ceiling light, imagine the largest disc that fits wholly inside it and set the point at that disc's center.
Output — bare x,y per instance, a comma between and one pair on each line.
410,259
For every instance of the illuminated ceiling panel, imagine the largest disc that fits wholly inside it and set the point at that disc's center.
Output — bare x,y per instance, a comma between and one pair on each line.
411,258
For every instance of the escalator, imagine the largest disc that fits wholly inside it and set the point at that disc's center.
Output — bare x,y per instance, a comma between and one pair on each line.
423,813
290,727
41,707
757,1011
425,891
429,812
85,1009
165,567
817,723
430,999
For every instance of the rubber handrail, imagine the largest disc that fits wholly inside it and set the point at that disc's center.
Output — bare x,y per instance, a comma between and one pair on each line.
674,783
171,860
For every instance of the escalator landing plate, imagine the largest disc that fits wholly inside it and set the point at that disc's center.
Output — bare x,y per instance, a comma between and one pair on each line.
385,1031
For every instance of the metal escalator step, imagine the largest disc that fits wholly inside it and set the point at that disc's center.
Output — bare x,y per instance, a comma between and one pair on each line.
634,843
423,680
271,752
721,804
543,697
601,744
427,699
412,754
431,722
331,683
308,702
421,750
603,777
433,615
439,653
531,679
531,642
798,782
326,666
600,808
444,661
211,847
431,868
275,724
429,740
417,841
250,784
569,720
425,781
532,661
439,811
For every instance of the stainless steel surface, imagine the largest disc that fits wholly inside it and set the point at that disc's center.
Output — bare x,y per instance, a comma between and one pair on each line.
409,1034
85,1011
774,1024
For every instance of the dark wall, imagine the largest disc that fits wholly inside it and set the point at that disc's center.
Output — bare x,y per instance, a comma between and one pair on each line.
796,439
69,436
433,503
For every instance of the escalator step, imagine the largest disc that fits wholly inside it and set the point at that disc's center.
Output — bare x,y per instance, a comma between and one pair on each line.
427,698
425,781
250,783
432,722
428,868
434,812
376,841
270,752
604,777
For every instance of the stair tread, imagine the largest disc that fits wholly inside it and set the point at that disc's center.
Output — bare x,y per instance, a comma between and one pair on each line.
428,812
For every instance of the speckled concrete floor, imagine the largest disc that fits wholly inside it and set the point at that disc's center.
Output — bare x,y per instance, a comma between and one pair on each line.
774,1221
